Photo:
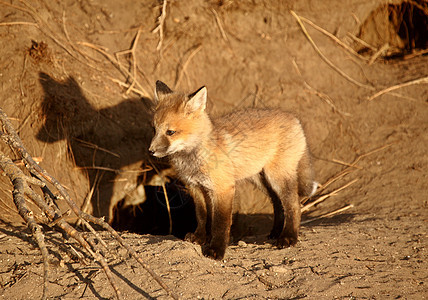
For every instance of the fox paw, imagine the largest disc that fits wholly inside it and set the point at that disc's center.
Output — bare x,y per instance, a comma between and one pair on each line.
194,238
214,252
286,242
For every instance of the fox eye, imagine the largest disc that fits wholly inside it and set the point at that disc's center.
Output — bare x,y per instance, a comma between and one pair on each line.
170,132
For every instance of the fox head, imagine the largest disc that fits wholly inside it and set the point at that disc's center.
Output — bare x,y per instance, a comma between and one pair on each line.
180,121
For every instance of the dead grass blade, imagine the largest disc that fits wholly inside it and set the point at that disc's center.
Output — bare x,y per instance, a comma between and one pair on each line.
328,214
324,197
168,207
161,21
326,60
399,86
182,70
334,38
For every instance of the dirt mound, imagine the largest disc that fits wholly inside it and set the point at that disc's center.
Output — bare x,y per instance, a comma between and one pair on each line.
76,82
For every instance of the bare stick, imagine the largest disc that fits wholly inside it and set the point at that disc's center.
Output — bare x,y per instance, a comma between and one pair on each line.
326,60
334,38
161,21
321,95
22,75
114,61
345,164
165,194
322,198
352,166
217,18
128,86
362,42
184,66
415,54
18,23
71,43
328,214
18,182
96,147
47,30
378,53
134,59
399,86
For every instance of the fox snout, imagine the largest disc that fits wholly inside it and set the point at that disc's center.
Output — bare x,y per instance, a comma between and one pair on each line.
157,150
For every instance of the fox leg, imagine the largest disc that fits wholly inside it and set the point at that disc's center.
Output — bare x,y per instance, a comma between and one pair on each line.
290,200
305,175
278,207
221,222
284,195
200,234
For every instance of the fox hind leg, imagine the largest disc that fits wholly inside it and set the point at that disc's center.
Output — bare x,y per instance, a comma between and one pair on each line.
290,199
278,207
305,176
283,192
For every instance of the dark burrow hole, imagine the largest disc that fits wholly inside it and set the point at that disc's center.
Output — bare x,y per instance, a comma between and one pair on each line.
151,216
403,26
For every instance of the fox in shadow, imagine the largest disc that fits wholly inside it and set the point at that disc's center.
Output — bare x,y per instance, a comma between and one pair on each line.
99,140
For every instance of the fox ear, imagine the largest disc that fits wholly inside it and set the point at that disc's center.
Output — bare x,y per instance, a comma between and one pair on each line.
161,91
197,100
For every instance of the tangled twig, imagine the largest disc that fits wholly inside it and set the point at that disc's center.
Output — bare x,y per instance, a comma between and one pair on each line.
22,190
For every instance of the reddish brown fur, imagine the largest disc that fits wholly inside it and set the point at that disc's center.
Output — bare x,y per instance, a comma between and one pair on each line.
267,147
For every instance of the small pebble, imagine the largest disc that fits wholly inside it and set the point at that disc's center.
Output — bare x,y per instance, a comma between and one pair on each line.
279,269
242,244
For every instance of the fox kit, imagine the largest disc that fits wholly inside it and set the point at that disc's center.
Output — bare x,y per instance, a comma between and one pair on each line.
266,147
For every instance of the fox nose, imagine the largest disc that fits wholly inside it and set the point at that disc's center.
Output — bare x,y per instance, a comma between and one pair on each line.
151,150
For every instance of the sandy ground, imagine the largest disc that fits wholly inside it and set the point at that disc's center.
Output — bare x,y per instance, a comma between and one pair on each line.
65,80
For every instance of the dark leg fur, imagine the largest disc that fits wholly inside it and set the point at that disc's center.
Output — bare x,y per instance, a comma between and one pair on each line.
291,203
203,213
221,223
278,208
286,205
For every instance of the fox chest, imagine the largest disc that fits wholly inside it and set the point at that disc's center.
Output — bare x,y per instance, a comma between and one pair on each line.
191,172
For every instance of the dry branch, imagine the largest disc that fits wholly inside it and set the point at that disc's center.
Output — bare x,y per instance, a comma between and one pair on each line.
328,214
399,86
217,19
19,181
334,38
22,189
134,60
322,198
350,167
161,21
327,61
184,65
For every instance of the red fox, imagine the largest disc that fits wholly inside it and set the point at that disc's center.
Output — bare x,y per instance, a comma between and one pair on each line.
265,146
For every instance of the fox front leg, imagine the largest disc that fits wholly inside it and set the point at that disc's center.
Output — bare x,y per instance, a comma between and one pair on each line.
221,223
200,235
